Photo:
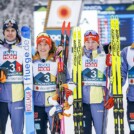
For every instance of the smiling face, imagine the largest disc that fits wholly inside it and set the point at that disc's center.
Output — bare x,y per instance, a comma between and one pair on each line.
43,48
91,44
10,34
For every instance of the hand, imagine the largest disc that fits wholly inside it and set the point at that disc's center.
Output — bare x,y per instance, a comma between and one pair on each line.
109,103
53,100
3,75
56,110
109,60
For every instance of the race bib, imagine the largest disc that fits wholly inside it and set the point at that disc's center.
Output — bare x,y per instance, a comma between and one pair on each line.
96,94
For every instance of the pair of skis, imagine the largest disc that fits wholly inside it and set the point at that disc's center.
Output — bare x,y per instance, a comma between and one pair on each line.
58,125
116,76
77,71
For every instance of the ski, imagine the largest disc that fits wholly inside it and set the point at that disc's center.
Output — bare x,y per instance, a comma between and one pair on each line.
65,44
28,79
77,70
62,66
116,76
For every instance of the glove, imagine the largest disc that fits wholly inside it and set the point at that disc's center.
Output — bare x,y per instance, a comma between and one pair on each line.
109,103
55,110
3,75
109,60
53,100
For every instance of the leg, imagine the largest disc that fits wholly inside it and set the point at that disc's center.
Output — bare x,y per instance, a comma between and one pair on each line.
130,116
40,119
87,119
3,116
99,117
16,110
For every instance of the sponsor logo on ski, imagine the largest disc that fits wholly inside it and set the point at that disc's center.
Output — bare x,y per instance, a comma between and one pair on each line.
28,100
28,60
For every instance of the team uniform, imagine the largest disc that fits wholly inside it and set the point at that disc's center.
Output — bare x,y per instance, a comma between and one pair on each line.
94,80
127,68
44,86
11,92
94,87
11,88
45,71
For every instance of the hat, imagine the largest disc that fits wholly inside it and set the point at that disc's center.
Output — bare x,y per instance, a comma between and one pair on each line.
44,36
91,34
10,23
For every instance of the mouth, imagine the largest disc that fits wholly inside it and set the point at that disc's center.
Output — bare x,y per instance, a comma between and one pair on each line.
90,48
10,36
43,50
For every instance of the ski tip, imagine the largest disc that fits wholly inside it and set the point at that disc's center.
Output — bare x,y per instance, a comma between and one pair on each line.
63,27
25,28
68,29
25,31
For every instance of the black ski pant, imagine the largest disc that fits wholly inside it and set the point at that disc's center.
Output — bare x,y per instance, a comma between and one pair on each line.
87,119
3,116
130,115
40,119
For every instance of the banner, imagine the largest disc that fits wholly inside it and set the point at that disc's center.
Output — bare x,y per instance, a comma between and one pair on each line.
39,20
67,10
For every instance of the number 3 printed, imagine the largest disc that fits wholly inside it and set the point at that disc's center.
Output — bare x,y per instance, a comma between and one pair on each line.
12,68
93,74
47,78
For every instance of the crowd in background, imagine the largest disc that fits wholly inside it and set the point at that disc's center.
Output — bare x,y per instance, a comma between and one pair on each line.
21,10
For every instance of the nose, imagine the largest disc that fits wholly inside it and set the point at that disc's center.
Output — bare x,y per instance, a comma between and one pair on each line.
10,32
42,46
90,43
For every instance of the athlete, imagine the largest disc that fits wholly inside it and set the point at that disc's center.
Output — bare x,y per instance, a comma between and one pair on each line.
95,92
11,79
45,70
127,69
